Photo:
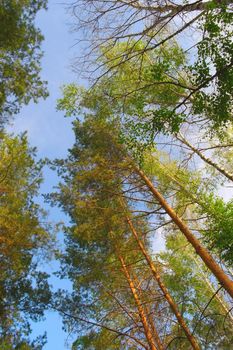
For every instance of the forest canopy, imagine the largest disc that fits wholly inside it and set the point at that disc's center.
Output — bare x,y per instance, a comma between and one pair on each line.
144,255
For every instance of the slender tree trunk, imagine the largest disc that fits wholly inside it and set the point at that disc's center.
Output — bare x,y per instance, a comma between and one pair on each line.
205,159
221,276
141,312
163,288
150,320
154,331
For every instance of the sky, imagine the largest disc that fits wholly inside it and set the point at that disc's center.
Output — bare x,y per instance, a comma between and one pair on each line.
51,133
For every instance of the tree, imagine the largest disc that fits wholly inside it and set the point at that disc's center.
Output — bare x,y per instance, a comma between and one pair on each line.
20,56
24,289
98,245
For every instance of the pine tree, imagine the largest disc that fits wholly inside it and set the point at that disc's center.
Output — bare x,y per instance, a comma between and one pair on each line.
24,289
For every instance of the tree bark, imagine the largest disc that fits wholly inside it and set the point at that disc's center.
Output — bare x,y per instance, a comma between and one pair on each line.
150,320
141,312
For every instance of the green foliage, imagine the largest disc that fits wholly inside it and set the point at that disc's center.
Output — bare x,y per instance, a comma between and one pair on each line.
97,341
218,226
148,88
19,183
37,344
148,97
142,86
171,177
20,55
167,121
72,95
213,70
155,74
24,290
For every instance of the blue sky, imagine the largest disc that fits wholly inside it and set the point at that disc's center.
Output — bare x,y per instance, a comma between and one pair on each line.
50,132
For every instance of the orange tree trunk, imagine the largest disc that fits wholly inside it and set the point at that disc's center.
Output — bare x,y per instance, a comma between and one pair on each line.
150,320
141,312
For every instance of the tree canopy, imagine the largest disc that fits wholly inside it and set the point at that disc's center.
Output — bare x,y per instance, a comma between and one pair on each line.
20,56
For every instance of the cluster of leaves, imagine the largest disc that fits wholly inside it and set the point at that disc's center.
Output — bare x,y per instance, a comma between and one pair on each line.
139,95
146,94
218,226
213,71
20,55
98,341
24,344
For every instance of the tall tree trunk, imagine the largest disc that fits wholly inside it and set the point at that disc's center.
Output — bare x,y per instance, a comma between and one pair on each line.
221,276
207,160
150,319
163,288
154,331
141,312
